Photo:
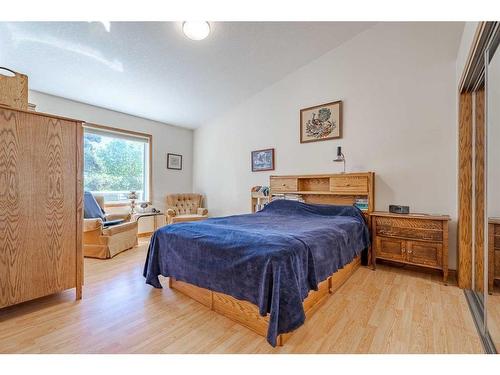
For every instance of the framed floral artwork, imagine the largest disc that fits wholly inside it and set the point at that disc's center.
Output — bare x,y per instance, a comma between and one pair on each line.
321,122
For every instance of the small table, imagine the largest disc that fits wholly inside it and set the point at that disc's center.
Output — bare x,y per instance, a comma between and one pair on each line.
139,215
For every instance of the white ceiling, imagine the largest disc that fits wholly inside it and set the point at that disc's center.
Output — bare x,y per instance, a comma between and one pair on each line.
150,69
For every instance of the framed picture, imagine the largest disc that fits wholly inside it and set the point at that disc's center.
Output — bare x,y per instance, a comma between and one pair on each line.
321,122
263,160
174,161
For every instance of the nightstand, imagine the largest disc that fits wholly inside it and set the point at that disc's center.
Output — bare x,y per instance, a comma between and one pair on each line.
416,239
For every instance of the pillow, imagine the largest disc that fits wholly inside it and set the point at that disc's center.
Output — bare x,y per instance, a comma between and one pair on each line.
92,210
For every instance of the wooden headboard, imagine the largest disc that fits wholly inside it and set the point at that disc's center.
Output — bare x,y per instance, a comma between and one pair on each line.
341,188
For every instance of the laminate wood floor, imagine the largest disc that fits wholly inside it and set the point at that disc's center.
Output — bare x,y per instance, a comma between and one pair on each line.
493,316
390,310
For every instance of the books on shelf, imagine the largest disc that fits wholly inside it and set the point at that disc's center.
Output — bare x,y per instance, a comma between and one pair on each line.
361,203
291,197
260,191
260,197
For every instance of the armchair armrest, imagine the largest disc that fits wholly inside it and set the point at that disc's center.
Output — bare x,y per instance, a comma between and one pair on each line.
202,211
120,228
91,224
118,216
171,212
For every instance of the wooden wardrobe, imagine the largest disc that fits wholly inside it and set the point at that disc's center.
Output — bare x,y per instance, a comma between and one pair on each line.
41,205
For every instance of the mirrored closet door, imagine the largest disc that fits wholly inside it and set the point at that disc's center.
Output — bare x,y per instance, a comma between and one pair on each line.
492,217
479,183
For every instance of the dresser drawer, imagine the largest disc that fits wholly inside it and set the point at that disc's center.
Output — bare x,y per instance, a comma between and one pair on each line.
284,184
412,223
389,248
496,262
496,242
349,184
410,233
425,253
497,230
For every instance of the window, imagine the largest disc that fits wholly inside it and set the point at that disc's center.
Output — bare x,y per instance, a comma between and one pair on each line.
116,162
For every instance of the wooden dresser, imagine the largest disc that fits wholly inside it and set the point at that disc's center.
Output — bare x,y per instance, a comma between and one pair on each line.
493,252
415,239
41,215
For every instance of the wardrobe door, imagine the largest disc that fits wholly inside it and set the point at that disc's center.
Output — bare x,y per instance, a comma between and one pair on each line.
53,192
39,231
16,207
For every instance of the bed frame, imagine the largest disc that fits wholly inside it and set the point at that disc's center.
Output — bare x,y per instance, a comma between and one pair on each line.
342,188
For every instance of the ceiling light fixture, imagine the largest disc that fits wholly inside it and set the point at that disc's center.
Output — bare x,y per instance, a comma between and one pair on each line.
105,24
196,30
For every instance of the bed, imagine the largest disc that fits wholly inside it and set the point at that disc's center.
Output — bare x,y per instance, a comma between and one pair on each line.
267,270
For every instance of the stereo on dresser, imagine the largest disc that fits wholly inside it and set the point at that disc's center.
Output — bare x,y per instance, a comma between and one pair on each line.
397,209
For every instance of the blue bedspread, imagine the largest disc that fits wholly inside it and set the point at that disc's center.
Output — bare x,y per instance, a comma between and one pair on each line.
272,258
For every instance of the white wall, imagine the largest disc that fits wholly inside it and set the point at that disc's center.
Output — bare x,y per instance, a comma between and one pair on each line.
397,82
465,44
166,138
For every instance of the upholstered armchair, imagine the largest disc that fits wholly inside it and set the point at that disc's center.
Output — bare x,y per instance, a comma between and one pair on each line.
125,216
101,241
185,207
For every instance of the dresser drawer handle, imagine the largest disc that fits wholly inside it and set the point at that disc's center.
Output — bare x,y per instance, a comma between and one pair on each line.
388,232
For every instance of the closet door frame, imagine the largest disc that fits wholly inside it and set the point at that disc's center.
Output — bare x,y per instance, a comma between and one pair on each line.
472,179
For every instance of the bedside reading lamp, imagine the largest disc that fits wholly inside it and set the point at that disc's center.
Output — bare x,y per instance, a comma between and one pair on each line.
340,157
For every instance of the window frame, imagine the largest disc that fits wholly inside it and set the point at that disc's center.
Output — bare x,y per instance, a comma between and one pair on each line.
149,137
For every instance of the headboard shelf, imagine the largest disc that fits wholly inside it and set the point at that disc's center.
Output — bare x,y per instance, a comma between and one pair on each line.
340,188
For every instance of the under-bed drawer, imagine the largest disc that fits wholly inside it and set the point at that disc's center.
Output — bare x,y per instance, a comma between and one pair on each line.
316,295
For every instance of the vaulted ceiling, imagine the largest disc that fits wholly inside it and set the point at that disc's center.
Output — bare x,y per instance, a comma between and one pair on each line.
150,69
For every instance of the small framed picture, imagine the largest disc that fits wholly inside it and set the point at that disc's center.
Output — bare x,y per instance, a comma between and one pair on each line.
174,161
263,160
321,122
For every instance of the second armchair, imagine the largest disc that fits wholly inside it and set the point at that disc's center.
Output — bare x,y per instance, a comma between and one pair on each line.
185,207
